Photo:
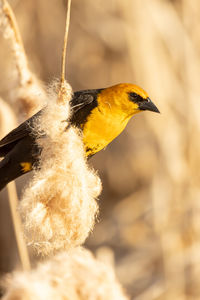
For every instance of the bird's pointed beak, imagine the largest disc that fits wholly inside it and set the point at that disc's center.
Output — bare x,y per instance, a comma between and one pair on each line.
148,105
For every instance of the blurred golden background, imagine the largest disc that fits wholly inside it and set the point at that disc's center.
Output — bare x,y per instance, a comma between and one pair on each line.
149,223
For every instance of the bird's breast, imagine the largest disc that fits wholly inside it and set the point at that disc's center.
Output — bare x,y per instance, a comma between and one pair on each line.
101,127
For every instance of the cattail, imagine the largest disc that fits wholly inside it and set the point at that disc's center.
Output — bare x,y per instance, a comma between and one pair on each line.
72,275
29,94
7,118
58,207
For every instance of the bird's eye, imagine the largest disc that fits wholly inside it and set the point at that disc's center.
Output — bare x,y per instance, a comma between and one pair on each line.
135,97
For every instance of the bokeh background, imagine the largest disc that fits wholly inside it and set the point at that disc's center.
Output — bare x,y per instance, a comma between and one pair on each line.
149,223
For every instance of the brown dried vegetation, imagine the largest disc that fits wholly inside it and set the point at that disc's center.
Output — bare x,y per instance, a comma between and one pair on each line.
150,205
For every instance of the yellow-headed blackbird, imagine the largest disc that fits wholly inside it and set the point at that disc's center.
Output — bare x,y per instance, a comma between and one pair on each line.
101,114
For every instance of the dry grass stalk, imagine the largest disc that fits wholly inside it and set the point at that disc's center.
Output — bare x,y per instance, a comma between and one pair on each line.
21,245
59,206
62,92
29,94
75,275
7,123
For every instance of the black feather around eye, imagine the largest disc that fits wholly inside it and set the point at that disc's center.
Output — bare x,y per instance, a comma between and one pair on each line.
135,97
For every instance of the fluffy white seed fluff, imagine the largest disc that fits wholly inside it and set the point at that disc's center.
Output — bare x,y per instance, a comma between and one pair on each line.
58,207
75,275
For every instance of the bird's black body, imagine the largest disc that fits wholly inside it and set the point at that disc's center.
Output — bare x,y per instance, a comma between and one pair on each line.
20,144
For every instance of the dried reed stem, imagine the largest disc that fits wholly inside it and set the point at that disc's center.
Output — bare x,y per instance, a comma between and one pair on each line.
65,40
7,123
62,91
21,245
21,64
29,95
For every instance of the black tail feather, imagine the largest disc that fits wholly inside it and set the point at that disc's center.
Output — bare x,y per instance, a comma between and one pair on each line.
3,172
8,172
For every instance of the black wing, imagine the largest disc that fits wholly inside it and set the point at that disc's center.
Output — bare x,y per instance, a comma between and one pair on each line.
82,104
10,140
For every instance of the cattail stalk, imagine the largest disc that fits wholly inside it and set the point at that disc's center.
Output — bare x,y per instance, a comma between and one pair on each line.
7,123
29,94
21,61
62,90
21,245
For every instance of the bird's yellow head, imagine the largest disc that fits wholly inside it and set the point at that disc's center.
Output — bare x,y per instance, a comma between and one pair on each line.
128,98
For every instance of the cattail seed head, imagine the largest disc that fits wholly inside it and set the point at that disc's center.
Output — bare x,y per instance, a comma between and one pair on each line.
75,275
58,207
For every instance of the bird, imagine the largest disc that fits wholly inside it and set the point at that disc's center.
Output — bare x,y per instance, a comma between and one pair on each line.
101,115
